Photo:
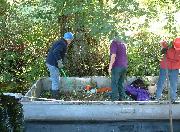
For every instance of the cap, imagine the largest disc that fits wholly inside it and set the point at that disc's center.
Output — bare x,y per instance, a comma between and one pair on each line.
68,36
176,43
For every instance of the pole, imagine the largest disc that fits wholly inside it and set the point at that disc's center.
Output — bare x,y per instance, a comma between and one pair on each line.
169,97
167,84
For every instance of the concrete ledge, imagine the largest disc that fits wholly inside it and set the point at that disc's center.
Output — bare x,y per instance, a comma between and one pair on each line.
97,110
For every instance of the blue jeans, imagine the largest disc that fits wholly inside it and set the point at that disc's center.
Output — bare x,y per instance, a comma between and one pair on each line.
117,80
173,79
54,76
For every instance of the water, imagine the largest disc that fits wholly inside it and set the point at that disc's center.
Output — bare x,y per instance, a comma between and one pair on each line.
110,126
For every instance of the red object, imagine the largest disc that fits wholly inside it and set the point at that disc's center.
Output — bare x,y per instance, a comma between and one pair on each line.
88,87
176,43
104,89
172,60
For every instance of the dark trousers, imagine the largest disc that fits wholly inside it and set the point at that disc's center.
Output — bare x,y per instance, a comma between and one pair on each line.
117,79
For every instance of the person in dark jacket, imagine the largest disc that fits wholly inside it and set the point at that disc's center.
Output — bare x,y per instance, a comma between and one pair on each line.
55,58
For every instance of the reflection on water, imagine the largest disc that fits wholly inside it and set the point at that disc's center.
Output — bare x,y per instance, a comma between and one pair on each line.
119,126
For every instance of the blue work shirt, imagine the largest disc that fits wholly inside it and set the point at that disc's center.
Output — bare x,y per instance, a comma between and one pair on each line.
57,52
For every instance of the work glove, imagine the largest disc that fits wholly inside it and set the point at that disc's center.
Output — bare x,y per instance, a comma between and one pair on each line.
164,50
60,64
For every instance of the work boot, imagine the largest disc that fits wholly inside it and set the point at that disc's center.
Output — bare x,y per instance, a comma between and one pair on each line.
157,99
173,101
153,98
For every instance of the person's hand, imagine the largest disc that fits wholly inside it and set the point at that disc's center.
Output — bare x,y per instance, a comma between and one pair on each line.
164,44
60,64
164,50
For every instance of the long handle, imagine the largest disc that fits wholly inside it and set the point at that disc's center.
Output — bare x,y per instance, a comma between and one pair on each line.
169,97
64,74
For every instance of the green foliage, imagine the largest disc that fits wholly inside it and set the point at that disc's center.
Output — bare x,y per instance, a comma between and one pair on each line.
11,116
3,7
144,55
28,28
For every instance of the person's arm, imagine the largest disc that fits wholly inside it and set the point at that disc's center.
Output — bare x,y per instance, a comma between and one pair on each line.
113,57
57,52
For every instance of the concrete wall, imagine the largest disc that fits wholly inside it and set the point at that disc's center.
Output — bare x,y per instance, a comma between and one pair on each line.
74,83
97,111
69,83
120,126
92,110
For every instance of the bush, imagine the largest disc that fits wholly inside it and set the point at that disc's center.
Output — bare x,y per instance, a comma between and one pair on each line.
11,116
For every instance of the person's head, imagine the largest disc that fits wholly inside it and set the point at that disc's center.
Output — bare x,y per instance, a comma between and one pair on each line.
68,36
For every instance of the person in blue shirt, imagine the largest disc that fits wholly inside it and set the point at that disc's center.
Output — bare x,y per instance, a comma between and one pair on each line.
55,58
